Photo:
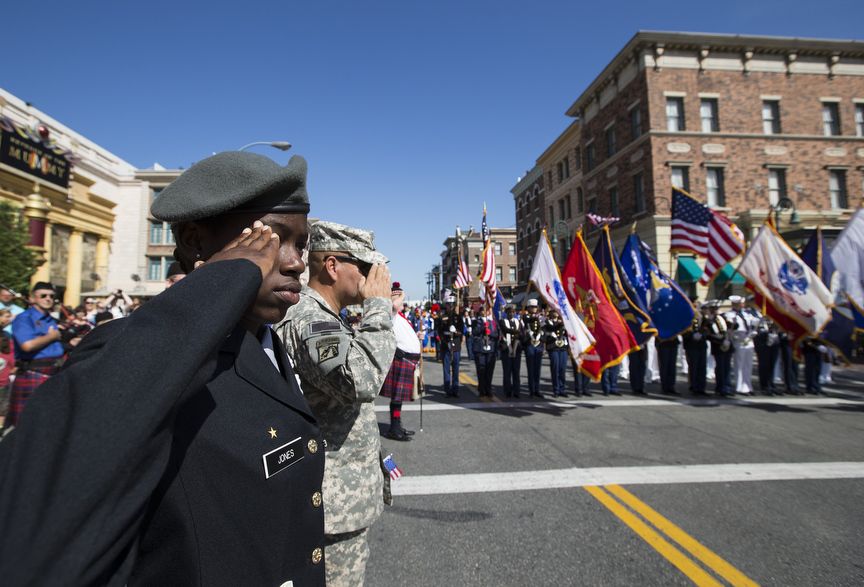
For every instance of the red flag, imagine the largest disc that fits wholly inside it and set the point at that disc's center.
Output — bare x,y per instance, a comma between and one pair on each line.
587,293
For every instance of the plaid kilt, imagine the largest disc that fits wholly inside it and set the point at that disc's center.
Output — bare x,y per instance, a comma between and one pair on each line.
400,381
25,384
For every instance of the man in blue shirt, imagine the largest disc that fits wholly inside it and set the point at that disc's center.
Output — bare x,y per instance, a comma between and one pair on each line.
38,350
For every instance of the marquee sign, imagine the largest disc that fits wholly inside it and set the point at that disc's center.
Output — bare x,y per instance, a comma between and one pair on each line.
26,151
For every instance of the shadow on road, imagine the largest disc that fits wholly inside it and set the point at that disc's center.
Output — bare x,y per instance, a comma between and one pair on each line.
440,515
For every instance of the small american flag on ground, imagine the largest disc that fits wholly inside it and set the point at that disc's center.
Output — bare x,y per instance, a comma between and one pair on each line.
391,467
698,229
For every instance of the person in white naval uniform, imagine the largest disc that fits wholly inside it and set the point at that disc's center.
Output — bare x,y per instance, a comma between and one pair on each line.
743,324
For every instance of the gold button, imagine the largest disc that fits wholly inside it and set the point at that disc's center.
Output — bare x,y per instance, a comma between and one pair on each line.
312,446
316,499
317,554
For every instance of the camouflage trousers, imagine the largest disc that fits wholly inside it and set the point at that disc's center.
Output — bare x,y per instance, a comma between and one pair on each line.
345,557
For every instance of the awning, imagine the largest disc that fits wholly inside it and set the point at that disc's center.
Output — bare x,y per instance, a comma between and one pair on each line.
688,270
726,273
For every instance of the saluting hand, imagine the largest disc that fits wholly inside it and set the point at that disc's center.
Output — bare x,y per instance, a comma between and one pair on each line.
377,283
258,244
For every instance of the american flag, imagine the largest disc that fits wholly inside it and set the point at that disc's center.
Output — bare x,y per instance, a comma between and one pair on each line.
697,229
463,275
391,467
487,265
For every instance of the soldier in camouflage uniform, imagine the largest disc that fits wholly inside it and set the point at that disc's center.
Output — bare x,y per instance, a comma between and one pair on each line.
341,371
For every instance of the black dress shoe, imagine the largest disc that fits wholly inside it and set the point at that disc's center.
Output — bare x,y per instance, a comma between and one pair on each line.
396,434
406,432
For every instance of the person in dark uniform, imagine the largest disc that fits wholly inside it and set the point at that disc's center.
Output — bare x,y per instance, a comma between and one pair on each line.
511,350
667,357
557,349
637,361
721,348
486,336
813,352
175,447
449,327
788,364
696,351
767,343
532,342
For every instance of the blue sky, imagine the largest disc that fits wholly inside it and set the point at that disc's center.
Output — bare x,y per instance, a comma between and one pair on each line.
410,114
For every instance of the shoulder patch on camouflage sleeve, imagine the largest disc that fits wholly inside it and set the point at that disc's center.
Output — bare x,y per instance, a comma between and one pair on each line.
324,327
327,347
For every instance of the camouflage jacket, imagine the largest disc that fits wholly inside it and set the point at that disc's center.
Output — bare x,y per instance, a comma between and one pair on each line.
341,372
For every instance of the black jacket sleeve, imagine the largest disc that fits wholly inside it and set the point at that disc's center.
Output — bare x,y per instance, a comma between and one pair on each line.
78,472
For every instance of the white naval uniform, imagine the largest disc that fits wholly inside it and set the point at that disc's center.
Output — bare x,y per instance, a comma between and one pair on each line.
742,339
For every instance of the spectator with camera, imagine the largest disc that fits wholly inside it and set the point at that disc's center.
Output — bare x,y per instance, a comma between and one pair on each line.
118,303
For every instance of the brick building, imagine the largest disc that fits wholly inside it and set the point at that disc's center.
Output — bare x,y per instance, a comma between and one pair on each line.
504,242
741,122
562,166
529,200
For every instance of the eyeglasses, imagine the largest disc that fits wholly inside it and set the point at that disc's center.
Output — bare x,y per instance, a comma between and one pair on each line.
363,266
45,295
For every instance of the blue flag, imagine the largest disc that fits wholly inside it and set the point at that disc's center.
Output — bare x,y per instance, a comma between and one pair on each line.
669,308
498,307
623,295
840,331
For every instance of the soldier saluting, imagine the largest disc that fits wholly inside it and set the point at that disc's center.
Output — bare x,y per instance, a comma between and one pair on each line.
182,460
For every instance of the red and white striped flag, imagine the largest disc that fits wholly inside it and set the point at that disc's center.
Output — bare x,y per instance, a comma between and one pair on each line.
698,229
487,265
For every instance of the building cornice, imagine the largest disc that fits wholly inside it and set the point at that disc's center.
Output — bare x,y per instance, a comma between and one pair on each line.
660,41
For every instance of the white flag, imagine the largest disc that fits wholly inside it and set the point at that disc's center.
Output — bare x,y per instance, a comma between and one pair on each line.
848,256
778,273
547,280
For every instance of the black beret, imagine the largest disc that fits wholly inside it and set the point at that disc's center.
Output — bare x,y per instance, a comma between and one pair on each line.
234,181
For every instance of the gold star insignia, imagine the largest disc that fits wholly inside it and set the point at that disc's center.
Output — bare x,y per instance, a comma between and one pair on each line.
272,432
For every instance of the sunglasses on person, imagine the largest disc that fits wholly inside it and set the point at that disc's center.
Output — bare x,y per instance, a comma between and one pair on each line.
363,266
42,296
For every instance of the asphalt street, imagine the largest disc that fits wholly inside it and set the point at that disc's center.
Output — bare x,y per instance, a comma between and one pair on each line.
625,490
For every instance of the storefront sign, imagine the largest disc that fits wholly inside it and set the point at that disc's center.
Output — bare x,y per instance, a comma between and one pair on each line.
25,152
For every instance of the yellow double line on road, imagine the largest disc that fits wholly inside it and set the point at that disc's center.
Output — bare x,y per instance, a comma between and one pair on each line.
653,536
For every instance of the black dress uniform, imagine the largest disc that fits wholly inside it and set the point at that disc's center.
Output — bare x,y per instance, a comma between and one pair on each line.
767,343
169,451
695,343
486,336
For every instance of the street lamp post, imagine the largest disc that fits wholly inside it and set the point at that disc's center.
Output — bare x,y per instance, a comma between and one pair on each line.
782,205
281,145
557,231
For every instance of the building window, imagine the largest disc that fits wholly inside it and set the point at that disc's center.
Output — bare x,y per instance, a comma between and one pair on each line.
560,167
580,201
498,275
708,114
154,193
635,123
498,249
157,268
614,208
551,215
160,233
639,193
776,185
611,142
590,156
714,187
859,120
675,114
771,117
577,159
511,273
561,209
476,258
569,209
681,177
831,119
592,205
566,168
837,189
511,248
